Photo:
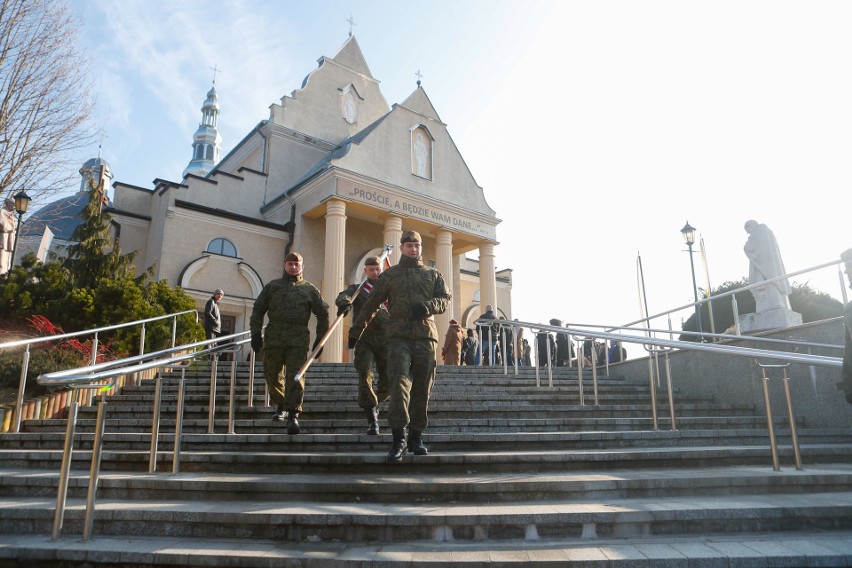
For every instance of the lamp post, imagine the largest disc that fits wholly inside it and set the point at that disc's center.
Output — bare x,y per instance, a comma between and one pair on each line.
688,233
22,203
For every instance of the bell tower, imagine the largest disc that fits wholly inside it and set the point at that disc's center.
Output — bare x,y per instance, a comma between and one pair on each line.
207,141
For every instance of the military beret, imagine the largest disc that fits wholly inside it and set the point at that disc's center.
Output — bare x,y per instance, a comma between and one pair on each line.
846,256
410,237
371,261
293,257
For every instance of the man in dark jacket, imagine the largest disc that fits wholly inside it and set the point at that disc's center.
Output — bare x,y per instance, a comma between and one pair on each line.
289,301
212,319
469,347
564,347
414,293
486,337
372,348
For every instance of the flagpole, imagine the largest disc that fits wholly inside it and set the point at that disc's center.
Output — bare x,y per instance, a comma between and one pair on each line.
707,281
337,320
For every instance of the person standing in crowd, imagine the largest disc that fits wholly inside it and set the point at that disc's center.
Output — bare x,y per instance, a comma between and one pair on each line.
846,384
212,318
504,335
527,353
469,348
414,293
486,337
519,345
289,301
564,348
617,353
451,352
544,341
371,350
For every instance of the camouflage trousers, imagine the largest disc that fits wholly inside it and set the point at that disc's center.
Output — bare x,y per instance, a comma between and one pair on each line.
280,365
367,355
411,370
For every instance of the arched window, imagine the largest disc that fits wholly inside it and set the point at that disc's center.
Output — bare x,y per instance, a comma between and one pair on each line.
223,247
209,153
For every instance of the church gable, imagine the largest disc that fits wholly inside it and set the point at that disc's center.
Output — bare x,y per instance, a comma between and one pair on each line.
409,150
419,102
336,100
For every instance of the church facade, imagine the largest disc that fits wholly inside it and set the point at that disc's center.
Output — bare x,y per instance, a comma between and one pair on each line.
334,173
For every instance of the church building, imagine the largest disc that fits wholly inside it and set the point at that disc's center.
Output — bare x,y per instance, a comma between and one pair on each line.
334,173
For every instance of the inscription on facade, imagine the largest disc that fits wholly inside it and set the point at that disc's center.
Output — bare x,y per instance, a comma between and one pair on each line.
419,210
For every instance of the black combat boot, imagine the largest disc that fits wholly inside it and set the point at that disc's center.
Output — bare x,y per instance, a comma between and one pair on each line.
293,423
372,421
398,448
415,442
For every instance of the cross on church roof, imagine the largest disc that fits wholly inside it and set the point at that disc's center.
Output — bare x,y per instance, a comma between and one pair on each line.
419,76
215,69
351,23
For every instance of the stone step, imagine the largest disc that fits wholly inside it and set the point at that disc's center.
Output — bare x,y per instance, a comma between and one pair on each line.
436,487
277,440
758,550
350,424
335,460
357,522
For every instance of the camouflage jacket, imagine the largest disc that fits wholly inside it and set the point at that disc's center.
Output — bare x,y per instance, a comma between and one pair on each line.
404,285
289,302
376,329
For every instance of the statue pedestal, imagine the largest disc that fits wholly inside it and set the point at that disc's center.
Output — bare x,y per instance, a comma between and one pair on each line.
770,319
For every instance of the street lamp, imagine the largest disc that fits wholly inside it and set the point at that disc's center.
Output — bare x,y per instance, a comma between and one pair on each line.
22,203
688,233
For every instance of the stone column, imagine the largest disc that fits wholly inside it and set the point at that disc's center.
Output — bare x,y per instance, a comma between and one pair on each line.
392,234
332,282
487,277
444,264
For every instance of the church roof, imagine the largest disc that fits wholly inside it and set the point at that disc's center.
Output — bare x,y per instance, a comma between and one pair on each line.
325,163
62,216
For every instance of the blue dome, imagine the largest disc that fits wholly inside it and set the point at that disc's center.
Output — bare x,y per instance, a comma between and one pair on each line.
62,216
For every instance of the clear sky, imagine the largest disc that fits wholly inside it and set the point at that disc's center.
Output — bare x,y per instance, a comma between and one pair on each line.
596,129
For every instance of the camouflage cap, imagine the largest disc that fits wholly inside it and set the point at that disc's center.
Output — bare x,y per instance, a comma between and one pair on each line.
410,237
846,256
372,261
293,257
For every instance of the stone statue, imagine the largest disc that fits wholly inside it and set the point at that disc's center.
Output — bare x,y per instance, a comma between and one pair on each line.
8,224
765,263
421,155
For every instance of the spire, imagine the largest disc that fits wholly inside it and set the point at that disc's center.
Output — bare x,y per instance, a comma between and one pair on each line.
207,141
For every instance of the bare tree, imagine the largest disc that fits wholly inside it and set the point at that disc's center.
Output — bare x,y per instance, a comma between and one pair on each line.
45,97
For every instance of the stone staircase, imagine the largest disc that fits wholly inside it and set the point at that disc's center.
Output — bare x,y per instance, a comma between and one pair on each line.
516,475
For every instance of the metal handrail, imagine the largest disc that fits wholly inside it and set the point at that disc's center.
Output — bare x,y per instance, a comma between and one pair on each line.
750,352
720,335
49,338
91,377
25,362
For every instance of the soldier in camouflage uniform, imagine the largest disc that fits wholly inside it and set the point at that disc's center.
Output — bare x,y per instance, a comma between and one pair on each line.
372,348
414,293
289,301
